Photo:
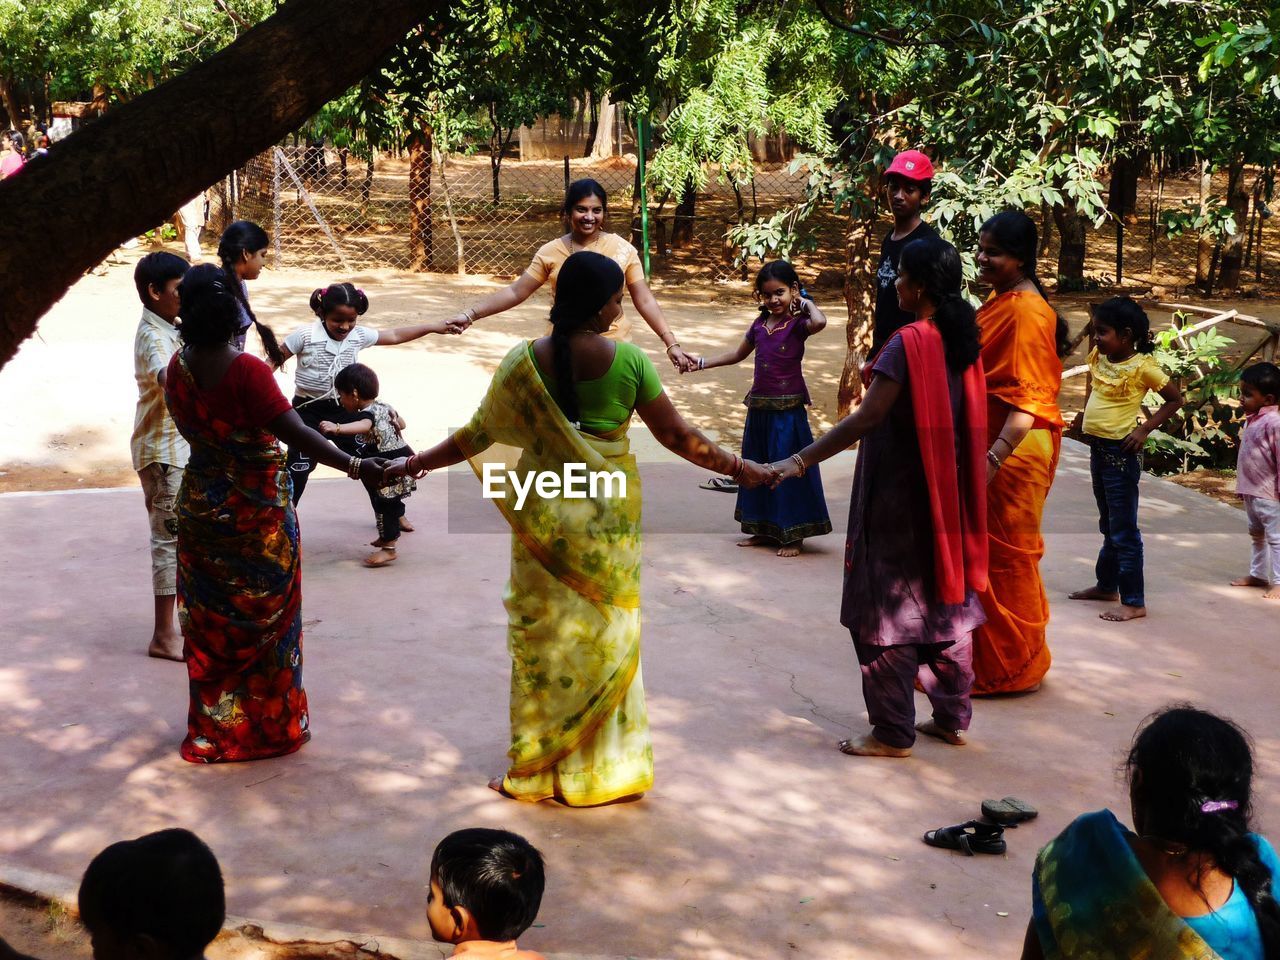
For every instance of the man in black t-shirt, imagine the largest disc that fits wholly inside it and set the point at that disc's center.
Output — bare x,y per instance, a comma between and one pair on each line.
907,184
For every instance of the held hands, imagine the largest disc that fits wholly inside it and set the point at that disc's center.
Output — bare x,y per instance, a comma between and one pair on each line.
755,474
372,469
395,469
681,360
783,470
452,326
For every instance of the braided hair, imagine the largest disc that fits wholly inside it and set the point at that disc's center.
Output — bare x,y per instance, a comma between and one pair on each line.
1015,233
935,265
245,237
1190,777
587,281
784,273
207,306
1123,313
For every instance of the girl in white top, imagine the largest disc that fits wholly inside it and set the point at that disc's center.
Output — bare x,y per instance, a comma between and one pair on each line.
324,348
585,206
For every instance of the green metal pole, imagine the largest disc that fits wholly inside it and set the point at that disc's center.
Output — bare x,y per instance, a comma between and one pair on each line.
641,123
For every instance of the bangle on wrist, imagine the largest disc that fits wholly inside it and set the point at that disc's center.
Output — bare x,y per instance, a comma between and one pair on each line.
799,463
416,474
1005,442
994,460
673,345
702,363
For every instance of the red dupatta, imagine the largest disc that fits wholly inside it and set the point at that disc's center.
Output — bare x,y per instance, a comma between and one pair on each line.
957,497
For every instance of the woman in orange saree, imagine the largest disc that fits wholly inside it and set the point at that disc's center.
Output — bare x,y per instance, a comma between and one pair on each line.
1022,341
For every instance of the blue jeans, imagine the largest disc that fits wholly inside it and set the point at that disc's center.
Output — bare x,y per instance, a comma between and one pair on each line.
1115,487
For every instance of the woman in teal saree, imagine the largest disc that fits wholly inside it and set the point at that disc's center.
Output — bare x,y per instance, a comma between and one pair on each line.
1190,882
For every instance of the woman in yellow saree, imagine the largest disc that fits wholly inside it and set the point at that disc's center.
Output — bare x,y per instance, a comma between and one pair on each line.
559,407
1022,340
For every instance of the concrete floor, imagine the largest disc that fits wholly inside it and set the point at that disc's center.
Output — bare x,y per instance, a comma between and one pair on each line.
759,839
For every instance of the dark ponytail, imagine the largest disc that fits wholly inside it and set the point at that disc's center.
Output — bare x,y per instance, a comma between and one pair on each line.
935,265
338,295
1015,233
241,237
587,281
207,307
1123,313
1190,778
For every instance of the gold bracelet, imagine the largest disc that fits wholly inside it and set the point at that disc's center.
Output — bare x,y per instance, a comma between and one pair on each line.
799,462
674,344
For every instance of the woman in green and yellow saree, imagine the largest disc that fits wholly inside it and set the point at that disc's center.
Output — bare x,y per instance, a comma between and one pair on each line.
553,426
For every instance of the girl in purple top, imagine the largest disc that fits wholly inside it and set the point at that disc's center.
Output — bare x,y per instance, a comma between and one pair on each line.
777,422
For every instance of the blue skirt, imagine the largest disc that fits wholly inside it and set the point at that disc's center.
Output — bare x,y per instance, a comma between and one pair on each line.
796,509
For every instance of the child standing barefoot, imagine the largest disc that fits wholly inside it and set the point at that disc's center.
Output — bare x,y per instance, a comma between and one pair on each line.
357,388
1258,474
1121,371
777,422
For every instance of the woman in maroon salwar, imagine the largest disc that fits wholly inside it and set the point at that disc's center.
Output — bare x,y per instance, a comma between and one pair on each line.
915,556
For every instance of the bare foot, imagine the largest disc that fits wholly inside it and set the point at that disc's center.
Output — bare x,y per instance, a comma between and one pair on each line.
869,746
496,785
790,549
753,541
1122,613
406,526
1273,593
381,543
1249,582
380,558
930,728
166,647
1094,593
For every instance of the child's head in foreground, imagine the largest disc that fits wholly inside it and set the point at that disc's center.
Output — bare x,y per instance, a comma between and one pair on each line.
157,276
485,885
159,897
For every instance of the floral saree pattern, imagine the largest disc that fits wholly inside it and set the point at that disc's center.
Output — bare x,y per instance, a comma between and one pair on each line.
239,587
579,730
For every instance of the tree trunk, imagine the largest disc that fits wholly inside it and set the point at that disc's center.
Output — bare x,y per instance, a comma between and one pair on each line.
1071,228
234,105
526,143
686,211
10,103
420,157
1205,245
1233,247
859,296
1046,228
595,124
602,146
366,187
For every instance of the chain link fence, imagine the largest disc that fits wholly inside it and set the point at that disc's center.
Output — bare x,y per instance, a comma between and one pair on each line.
327,209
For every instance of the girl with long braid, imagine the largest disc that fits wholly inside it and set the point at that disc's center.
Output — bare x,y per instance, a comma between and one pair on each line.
242,248
1191,880
579,730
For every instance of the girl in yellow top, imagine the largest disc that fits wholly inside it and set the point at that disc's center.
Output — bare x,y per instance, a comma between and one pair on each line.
586,205
1121,371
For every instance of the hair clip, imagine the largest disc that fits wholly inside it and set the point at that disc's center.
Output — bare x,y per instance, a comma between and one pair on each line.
1217,806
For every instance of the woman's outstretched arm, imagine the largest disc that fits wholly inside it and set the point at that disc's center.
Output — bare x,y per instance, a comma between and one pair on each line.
875,406
648,308
513,294
683,439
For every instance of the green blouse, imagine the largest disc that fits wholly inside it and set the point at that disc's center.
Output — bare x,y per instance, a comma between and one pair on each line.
605,403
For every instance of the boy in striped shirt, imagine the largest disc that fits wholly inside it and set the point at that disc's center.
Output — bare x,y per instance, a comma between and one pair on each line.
159,450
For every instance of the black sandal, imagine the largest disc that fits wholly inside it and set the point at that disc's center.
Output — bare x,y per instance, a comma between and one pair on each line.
969,838
1009,812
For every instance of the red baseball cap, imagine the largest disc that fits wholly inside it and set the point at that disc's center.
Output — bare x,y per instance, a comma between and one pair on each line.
911,164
